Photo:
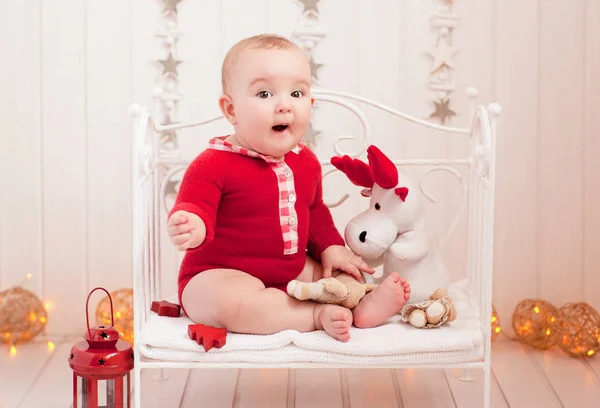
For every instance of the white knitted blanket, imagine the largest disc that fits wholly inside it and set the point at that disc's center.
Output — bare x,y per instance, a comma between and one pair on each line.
395,342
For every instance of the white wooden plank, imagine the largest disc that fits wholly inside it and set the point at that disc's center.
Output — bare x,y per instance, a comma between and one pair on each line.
573,383
282,17
469,394
561,151
18,372
53,383
523,384
146,48
591,215
318,388
108,144
210,388
338,54
254,385
371,387
20,147
164,391
241,19
594,366
64,163
424,388
517,90
474,40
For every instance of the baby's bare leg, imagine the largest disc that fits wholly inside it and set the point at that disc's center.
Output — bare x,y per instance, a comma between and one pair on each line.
378,305
241,303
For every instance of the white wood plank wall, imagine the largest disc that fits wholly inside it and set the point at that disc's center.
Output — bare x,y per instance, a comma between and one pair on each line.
70,68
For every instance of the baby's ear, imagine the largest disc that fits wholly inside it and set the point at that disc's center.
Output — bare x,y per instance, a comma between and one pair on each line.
226,106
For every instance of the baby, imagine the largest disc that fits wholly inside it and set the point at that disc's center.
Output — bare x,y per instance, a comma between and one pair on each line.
250,212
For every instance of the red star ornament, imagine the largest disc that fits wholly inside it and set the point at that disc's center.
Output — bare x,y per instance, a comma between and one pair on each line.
207,336
164,308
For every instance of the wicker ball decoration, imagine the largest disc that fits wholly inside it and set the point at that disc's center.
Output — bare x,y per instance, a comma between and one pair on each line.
496,329
123,313
578,327
22,315
533,323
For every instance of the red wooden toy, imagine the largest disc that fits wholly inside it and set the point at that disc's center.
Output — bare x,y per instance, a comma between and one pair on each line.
164,308
207,336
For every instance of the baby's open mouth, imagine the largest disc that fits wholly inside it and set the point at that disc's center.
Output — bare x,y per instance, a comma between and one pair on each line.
279,128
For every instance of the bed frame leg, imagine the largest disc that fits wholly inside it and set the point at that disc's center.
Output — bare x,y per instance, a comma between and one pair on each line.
466,375
487,385
137,387
160,375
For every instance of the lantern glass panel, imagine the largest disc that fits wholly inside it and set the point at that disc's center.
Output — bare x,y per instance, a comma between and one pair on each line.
103,393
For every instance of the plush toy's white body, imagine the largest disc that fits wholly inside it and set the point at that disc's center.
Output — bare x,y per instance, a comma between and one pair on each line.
393,231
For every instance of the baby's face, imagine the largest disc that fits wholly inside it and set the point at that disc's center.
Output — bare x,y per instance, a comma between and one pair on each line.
270,92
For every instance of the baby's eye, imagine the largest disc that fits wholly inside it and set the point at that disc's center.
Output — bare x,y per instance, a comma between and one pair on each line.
264,94
377,206
297,94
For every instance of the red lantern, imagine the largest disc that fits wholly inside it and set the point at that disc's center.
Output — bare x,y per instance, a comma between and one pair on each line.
101,365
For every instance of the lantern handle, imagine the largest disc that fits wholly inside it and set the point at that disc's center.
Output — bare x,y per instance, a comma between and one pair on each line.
87,318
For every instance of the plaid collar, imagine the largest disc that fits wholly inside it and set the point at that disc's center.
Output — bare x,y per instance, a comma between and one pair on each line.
219,143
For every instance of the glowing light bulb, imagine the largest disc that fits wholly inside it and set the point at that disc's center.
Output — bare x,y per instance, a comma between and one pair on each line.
28,276
51,346
552,319
13,351
548,332
32,317
118,315
536,309
7,335
591,352
48,306
497,330
494,319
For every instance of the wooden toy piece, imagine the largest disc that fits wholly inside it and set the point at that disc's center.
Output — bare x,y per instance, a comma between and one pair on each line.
207,336
164,308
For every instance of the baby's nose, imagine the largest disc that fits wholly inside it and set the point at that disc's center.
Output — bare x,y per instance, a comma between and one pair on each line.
284,107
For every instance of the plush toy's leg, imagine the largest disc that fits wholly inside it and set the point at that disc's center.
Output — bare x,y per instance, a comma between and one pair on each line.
304,290
417,318
435,312
335,287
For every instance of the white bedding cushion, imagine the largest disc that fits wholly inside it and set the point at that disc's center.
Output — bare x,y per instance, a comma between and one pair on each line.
395,342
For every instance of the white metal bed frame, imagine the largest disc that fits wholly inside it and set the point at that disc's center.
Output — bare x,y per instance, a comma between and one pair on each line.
149,192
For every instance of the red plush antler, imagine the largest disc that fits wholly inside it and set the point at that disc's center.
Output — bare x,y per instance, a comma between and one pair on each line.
383,169
358,172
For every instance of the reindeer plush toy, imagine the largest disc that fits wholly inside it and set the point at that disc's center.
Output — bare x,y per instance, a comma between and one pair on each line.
393,232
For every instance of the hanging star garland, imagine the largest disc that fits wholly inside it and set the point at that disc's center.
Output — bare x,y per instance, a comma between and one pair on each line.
170,65
442,111
310,138
310,6
169,136
171,6
314,68
442,55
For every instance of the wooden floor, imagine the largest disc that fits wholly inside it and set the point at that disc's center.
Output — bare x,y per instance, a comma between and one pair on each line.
522,377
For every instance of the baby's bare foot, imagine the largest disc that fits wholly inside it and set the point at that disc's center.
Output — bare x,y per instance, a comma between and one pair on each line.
335,320
382,303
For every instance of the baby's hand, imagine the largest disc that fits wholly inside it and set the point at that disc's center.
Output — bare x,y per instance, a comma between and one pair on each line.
186,230
340,257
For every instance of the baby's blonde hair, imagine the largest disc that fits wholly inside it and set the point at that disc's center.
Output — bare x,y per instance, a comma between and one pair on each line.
257,42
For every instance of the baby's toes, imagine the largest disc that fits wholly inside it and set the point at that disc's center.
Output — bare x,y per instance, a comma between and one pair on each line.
340,324
344,316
